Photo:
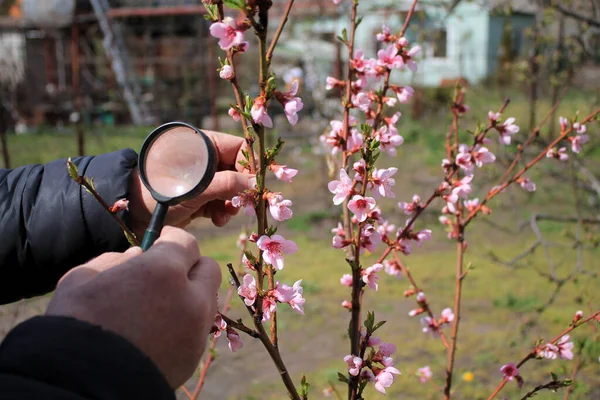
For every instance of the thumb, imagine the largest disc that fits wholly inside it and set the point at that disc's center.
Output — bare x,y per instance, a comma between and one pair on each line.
227,184
86,272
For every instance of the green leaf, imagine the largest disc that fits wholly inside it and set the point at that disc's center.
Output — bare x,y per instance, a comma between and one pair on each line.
304,387
358,21
130,238
378,325
271,230
342,378
369,322
250,256
244,164
273,152
212,12
73,170
90,182
554,377
235,4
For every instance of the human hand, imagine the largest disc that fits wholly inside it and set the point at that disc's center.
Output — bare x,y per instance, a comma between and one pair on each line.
230,179
163,301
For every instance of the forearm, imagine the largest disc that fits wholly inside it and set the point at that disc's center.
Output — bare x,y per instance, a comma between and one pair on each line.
48,224
59,357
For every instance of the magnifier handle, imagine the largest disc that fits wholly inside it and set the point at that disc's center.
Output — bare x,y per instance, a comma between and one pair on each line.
155,227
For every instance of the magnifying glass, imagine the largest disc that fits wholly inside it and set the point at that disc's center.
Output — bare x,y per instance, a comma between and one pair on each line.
177,162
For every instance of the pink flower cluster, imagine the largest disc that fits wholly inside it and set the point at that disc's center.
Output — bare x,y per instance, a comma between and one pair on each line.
511,372
378,367
282,293
234,341
562,349
230,34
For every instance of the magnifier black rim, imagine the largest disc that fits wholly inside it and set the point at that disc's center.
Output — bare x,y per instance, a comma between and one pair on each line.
211,167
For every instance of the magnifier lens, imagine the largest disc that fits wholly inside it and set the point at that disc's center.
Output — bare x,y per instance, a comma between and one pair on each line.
176,161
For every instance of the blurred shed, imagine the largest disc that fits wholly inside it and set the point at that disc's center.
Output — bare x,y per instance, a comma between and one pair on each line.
169,56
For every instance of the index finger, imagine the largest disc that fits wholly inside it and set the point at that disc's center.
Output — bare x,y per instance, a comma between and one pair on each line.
174,247
228,148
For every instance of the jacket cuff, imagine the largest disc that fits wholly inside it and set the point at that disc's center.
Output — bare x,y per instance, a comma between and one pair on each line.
112,177
81,358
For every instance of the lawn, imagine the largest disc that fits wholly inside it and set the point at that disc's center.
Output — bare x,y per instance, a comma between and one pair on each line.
500,314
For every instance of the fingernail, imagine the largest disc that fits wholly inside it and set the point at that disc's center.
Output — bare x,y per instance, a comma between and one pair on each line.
252,183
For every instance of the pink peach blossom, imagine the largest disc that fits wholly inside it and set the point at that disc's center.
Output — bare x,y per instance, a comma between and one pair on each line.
274,247
410,208
233,113
577,142
342,188
269,306
483,156
560,154
382,182
338,242
360,167
424,374
279,208
354,364
355,141
511,372
527,184
346,280
220,326
227,33
506,130
389,57
385,35
233,340
369,238
464,159
291,103
385,378
447,316
358,62
119,205
226,72
283,173
493,116
259,113
579,128
404,94
389,140
248,290
246,200
360,206
409,58
370,276
333,83
392,268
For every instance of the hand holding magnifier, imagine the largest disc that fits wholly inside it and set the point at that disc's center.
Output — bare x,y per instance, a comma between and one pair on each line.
188,173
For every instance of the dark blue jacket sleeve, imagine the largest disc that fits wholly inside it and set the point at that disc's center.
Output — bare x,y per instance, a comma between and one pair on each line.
49,224
66,359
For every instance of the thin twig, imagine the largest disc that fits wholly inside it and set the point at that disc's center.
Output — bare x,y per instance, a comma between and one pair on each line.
82,181
498,189
533,353
275,39
240,326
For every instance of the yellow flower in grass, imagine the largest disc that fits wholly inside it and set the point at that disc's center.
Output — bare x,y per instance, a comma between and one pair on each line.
468,376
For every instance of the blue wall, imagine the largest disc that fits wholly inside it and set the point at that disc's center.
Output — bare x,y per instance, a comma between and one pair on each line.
519,24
